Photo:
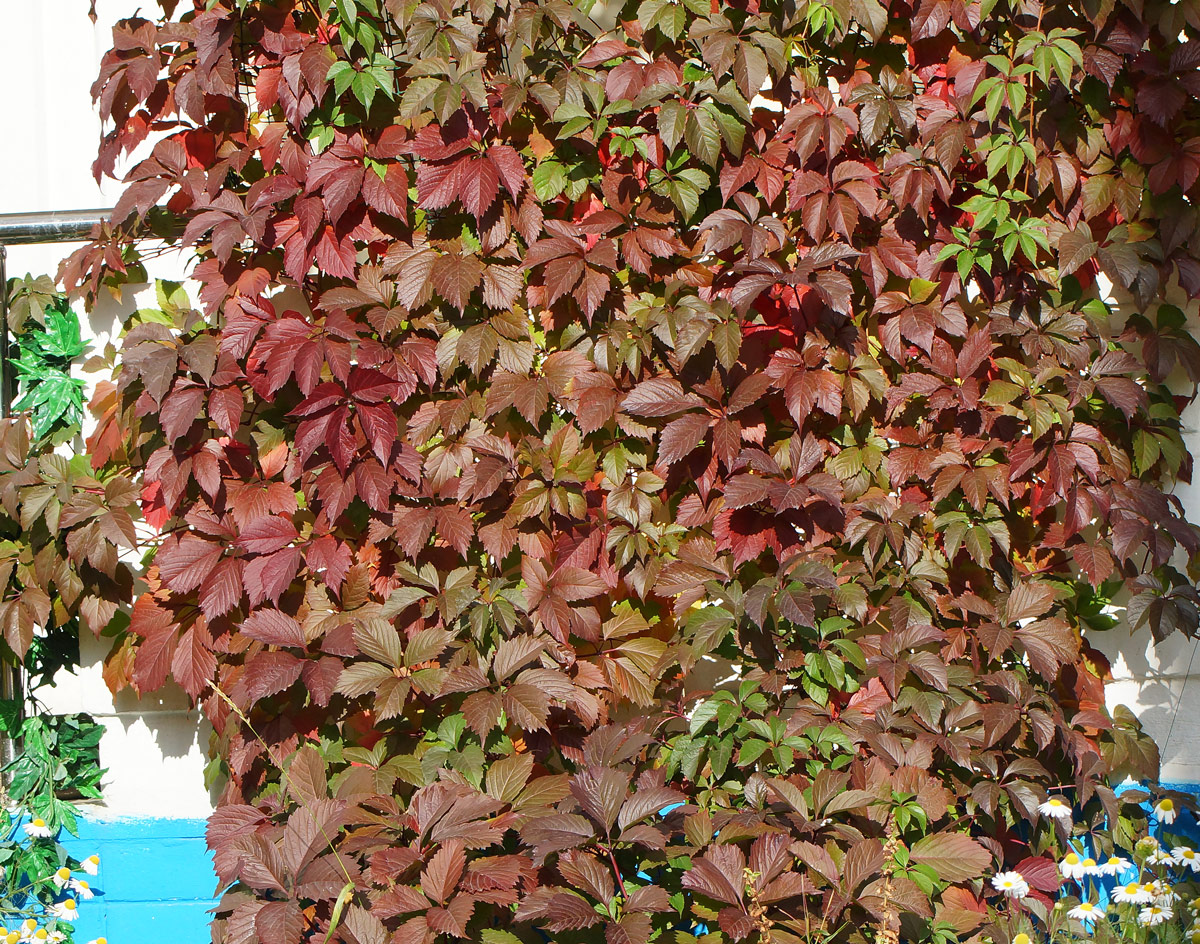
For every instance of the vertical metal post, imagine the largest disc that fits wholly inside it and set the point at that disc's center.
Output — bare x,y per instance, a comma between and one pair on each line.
5,392
10,675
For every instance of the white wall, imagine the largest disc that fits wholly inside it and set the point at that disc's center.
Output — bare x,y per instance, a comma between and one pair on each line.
49,56
155,748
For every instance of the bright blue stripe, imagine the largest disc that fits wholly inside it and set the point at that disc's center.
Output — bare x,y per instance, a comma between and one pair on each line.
156,880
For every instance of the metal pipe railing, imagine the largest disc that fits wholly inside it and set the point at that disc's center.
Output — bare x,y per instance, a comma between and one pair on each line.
51,226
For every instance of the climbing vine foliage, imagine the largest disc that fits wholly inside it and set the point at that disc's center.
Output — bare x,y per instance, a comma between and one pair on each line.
635,471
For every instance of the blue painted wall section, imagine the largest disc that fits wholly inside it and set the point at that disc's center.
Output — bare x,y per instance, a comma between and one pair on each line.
156,878
155,884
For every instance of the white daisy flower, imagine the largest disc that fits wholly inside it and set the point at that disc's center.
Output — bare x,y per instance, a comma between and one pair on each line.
1160,856
1114,865
65,910
62,877
1154,914
82,889
56,937
28,926
1055,808
1193,936
38,829
1164,809
1071,866
91,865
1086,911
1090,867
1133,893
1012,884
1186,855
40,936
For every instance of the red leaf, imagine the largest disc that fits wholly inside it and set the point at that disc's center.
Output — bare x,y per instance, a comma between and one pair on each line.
270,673
179,410
184,564
443,872
1095,561
1041,873
266,535
478,184
222,589
193,665
680,437
157,628
510,167
225,408
455,277
389,195
272,626
279,922
659,396
266,578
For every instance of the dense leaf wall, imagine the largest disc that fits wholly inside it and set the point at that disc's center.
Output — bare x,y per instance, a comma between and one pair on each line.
549,357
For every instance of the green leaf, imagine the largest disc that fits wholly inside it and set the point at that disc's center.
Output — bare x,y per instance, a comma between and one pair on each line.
339,906
703,136
364,86
672,117
727,341
10,716
751,751
549,180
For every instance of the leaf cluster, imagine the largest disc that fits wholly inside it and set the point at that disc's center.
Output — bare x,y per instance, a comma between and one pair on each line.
649,469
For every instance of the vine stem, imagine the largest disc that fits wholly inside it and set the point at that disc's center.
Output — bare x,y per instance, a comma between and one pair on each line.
617,872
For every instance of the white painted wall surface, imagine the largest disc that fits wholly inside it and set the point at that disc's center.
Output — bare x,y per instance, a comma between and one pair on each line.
155,747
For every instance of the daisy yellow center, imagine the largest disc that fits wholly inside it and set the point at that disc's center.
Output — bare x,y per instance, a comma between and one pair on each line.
1166,805
39,823
83,884
1131,888
63,873
1113,860
1071,859
1089,862
1087,906
1188,854
69,904
1055,801
1022,938
1009,883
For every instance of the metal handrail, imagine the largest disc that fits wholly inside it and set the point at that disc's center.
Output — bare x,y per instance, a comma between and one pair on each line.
50,226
